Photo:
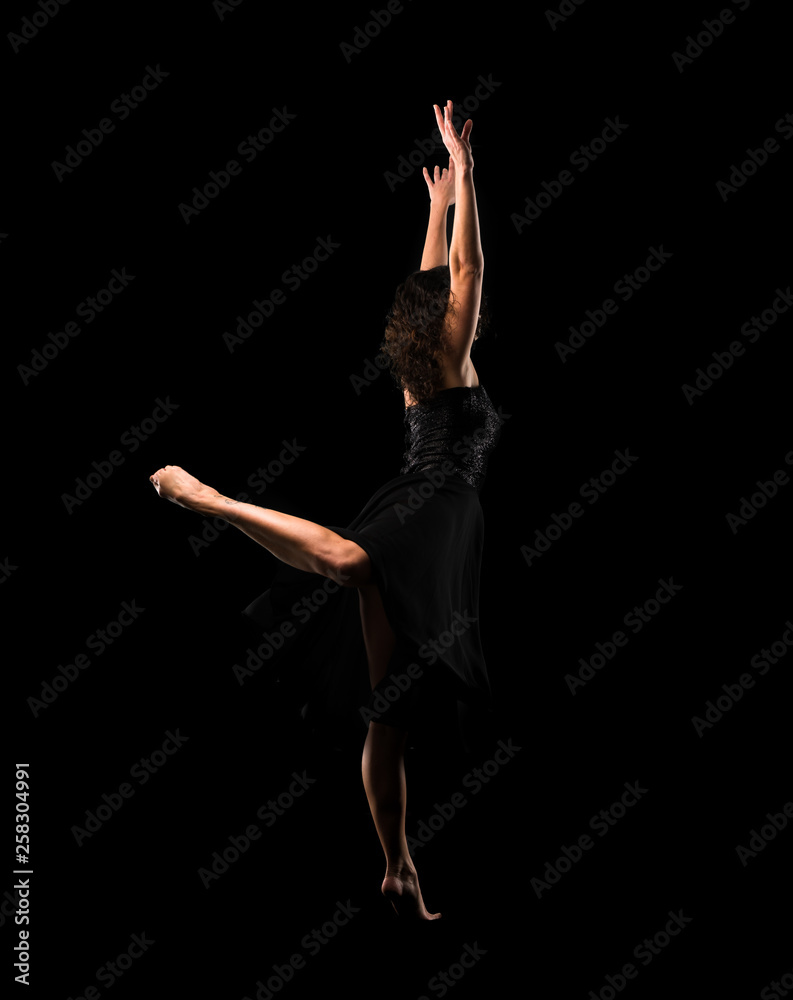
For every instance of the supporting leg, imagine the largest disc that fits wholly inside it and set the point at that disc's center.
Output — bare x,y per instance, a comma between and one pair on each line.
383,770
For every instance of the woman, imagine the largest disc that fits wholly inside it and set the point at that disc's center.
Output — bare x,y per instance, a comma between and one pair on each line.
414,553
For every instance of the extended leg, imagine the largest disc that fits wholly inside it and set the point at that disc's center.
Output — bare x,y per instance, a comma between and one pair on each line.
301,543
294,540
383,770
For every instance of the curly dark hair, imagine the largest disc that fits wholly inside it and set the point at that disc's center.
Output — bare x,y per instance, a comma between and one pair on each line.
415,335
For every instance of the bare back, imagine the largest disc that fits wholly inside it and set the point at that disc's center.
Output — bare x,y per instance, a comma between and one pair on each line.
452,377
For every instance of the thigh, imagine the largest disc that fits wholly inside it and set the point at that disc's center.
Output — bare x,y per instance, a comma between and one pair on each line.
378,636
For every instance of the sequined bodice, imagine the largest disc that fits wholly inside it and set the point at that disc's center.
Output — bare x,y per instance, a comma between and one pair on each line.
458,425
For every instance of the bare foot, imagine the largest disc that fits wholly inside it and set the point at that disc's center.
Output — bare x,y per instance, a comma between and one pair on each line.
401,887
178,486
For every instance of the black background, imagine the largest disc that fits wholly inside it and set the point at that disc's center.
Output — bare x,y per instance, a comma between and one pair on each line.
325,176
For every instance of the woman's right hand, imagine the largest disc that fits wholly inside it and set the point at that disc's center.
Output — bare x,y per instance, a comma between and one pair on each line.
458,145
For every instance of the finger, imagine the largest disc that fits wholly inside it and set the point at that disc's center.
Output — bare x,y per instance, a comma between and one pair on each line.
451,130
437,172
466,130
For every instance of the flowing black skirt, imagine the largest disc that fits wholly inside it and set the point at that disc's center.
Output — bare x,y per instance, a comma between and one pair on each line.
423,533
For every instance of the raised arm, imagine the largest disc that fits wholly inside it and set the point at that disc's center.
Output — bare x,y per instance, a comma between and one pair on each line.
466,249
466,260
441,190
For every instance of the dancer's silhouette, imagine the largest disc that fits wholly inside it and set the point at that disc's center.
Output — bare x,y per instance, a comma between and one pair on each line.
414,552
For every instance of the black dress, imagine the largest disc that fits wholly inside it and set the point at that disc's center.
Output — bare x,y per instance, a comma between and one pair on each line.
424,533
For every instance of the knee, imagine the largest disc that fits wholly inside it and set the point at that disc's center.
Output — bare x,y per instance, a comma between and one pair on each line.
351,566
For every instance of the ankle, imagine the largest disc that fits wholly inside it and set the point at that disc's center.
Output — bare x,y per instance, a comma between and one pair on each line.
401,868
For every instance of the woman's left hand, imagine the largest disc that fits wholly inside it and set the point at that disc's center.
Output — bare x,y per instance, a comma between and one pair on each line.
442,187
